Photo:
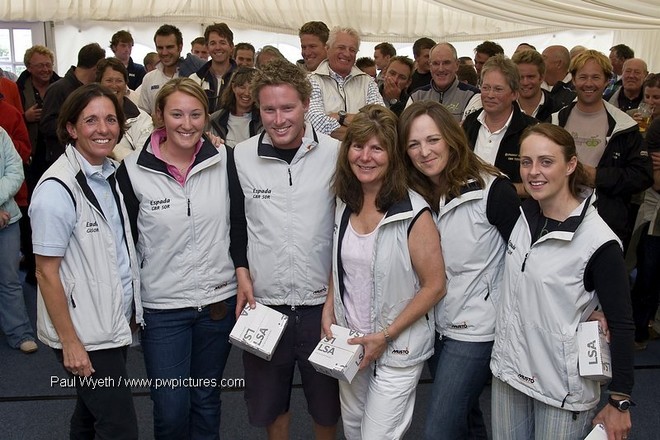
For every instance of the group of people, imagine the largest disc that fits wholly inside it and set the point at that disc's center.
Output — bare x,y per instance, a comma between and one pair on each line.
446,222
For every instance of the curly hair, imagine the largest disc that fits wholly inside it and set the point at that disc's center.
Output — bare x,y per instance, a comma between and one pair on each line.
280,72
37,49
530,56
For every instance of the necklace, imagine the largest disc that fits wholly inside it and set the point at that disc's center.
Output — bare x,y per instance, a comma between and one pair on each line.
545,230
169,161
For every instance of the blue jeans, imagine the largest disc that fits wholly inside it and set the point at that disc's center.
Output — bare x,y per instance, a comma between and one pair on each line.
462,370
181,347
14,320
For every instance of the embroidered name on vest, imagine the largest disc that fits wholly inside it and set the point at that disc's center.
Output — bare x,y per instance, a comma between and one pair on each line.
159,205
91,227
258,193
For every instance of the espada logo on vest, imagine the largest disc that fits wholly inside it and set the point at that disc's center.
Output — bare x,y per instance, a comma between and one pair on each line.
258,193
160,205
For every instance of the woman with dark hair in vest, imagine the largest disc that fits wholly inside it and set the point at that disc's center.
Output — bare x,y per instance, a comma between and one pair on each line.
88,283
561,261
387,276
476,207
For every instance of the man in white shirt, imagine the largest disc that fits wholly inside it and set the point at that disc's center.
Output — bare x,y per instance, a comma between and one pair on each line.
169,43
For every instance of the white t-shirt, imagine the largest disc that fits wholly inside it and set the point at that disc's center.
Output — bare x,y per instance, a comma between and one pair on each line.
488,143
357,255
238,129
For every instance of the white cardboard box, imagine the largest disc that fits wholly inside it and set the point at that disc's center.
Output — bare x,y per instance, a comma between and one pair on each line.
598,433
258,330
594,358
335,357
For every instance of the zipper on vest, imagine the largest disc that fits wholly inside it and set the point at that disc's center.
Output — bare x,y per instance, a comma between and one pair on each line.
73,303
188,207
290,180
524,261
375,365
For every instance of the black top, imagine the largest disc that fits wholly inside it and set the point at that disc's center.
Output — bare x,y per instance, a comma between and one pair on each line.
606,274
503,207
419,80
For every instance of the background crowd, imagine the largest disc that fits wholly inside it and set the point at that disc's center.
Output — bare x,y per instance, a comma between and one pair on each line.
462,211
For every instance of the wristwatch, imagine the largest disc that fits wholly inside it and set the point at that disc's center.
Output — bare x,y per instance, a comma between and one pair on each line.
342,117
621,405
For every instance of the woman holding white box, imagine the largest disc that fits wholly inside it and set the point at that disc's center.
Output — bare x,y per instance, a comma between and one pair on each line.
388,274
560,256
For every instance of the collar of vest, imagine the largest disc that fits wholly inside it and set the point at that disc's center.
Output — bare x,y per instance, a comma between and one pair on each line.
266,149
531,210
148,160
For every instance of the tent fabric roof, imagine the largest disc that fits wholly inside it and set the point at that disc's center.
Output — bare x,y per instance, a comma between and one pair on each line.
376,20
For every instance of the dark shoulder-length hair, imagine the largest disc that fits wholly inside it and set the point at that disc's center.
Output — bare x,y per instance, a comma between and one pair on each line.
242,75
558,135
371,121
76,103
462,164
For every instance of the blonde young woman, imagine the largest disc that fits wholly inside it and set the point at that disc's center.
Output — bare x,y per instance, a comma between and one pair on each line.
177,194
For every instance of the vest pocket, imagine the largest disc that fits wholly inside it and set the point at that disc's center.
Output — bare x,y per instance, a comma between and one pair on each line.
97,314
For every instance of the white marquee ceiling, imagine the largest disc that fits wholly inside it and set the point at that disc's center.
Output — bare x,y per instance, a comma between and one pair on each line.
394,20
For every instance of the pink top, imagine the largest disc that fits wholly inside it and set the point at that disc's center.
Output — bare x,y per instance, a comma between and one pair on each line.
158,137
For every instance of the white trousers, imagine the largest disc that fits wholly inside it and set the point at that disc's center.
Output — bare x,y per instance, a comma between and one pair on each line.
379,406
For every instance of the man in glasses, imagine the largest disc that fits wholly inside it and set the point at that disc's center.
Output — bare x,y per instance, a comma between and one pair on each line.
494,130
